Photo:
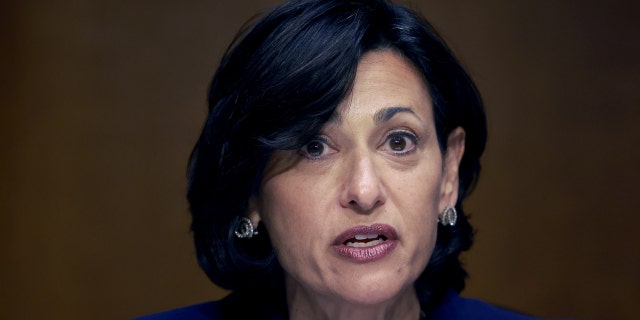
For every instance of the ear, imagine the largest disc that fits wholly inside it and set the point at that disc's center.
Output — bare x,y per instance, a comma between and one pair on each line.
253,211
451,165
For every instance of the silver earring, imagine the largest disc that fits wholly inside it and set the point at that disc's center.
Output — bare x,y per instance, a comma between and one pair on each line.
448,217
244,229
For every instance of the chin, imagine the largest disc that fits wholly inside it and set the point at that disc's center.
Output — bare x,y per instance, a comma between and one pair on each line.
373,291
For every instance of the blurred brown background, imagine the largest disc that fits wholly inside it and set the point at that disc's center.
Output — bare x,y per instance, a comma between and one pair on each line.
101,102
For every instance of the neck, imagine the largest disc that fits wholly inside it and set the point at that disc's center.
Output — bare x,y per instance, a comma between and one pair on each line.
305,304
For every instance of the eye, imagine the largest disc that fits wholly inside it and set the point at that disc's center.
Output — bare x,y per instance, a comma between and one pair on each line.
316,149
397,143
400,142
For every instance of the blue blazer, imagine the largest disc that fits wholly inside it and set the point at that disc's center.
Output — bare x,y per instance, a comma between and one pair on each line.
453,307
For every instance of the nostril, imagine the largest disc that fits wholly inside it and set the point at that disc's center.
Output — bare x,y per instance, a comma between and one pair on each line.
364,207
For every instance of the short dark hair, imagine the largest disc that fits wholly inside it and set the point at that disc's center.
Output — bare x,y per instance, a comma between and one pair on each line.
278,83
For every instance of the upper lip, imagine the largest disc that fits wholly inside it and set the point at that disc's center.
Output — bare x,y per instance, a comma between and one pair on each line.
381,229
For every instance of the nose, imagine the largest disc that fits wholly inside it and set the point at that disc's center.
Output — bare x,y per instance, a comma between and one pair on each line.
363,190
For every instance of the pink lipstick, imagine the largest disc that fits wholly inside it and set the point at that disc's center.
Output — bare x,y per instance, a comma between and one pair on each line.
366,243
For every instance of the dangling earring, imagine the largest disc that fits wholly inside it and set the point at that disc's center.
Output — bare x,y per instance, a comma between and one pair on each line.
244,229
448,217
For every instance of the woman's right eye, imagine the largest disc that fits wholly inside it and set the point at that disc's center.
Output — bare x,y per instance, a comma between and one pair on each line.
315,149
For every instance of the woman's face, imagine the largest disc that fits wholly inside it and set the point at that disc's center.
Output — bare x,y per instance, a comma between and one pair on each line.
353,214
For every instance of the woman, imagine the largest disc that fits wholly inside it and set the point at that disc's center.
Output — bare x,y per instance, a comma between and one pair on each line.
328,181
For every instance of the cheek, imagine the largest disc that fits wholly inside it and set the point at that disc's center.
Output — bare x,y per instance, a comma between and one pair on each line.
418,199
290,213
421,212
297,221
419,192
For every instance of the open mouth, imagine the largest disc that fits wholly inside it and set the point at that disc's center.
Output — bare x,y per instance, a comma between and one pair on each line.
363,244
365,240
366,236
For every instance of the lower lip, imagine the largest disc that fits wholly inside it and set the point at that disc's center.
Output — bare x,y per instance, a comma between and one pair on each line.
366,254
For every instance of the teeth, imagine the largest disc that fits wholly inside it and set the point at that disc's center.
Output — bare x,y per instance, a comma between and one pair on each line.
364,244
366,236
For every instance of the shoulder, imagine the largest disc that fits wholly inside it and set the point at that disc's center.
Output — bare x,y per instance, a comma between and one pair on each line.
455,307
203,311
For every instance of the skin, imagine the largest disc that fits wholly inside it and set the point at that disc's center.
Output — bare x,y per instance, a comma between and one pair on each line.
376,161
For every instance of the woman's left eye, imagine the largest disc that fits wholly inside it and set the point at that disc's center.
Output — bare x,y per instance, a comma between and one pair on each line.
401,142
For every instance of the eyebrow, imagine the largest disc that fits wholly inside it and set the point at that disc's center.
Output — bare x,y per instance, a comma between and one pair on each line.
381,116
384,115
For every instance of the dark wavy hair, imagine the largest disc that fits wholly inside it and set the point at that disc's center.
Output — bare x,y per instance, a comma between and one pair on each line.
280,80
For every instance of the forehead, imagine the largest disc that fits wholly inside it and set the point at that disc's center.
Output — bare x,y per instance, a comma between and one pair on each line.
384,79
